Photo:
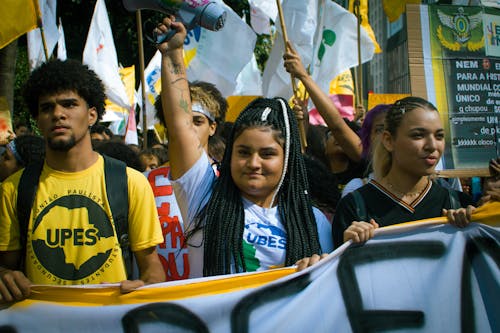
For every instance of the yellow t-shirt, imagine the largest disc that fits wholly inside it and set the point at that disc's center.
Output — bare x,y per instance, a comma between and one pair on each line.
71,237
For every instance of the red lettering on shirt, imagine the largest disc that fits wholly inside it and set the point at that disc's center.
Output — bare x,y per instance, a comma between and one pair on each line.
170,225
170,267
173,251
160,190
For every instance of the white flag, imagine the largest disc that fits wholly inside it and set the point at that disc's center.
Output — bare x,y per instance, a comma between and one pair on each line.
249,81
301,22
61,43
131,132
152,74
261,11
100,55
336,45
36,52
325,36
219,56
207,58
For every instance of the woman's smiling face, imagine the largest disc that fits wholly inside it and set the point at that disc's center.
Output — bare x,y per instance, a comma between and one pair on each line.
257,164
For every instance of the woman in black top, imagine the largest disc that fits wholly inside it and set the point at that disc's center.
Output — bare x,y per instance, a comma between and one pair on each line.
409,149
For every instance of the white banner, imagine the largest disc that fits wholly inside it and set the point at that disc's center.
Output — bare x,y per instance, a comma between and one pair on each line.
325,36
36,52
206,52
100,55
61,43
152,75
423,278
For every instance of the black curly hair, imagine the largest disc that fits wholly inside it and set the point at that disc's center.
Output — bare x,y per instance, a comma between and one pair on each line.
30,148
223,219
56,76
120,151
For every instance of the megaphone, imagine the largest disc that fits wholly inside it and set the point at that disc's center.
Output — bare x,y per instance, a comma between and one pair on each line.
206,14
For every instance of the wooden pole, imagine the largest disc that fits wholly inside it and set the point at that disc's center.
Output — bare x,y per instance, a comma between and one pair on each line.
359,77
302,131
143,79
40,26
356,87
463,173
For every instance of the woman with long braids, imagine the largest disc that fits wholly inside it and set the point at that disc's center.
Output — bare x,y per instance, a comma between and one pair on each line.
257,215
405,156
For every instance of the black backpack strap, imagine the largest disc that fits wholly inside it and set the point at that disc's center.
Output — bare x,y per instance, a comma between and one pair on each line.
115,174
26,192
360,205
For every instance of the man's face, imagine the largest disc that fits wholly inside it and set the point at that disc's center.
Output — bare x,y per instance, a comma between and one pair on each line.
64,119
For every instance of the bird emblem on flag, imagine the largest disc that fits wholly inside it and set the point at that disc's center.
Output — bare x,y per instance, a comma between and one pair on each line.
460,30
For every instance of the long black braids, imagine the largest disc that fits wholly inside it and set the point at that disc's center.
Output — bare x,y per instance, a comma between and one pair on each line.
223,217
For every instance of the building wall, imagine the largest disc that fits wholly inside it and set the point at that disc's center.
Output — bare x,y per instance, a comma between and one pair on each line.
376,81
388,72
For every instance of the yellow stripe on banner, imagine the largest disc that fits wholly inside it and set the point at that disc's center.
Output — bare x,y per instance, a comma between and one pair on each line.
99,296
488,214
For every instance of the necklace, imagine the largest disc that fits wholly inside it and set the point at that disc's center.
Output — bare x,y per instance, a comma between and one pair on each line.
401,194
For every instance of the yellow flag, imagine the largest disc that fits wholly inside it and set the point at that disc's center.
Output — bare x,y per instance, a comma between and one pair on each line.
394,8
363,11
300,93
342,84
236,104
17,17
127,75
376,99
341,93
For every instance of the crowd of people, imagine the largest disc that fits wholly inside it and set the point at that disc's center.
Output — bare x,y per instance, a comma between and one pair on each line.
219,197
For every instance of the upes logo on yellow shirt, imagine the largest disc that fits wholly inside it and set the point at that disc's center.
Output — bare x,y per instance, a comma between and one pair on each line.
72,242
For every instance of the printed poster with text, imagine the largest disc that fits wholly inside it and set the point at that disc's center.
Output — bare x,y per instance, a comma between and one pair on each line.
465,57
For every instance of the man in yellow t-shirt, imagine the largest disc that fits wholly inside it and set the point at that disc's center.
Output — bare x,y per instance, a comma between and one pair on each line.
71,236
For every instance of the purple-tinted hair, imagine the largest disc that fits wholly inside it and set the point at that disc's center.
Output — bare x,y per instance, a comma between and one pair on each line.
366,128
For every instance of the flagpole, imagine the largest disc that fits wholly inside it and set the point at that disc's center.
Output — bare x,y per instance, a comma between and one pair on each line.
40,26
143,79
302,131
359,72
